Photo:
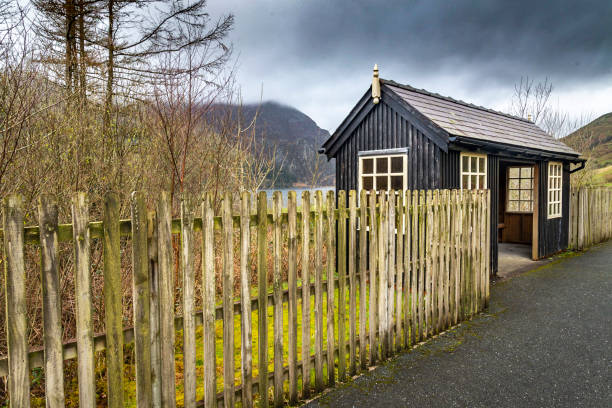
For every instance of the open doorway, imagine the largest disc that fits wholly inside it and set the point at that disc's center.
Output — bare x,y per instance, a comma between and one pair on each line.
517,235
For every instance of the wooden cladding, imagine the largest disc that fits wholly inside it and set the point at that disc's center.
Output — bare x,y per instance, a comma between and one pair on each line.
350,286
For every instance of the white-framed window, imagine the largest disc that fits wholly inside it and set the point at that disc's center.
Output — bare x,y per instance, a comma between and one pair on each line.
473,171
383,170
520,190
555,177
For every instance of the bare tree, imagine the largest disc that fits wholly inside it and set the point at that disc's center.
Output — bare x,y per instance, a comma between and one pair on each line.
23,90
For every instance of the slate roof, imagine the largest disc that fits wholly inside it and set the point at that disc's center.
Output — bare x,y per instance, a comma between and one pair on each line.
463,119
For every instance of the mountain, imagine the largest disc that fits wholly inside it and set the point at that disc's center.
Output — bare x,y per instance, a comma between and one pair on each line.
594,140
296,138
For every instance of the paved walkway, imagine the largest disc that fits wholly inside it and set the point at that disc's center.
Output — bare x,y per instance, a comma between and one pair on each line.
546,341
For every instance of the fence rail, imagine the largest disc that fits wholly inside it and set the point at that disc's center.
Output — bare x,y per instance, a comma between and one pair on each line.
404,267
590,219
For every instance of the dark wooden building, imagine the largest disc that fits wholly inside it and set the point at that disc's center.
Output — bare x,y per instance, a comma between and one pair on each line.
398,137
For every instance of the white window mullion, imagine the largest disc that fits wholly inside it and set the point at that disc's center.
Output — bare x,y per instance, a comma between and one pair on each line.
555,184
473,172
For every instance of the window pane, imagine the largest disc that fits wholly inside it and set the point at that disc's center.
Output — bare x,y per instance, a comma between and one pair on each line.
525,194
526,172
526,184
397,182
525,206
465,181
481,181
473,165
397,164
382,165
367,183
513,194
381,182
513,206
514,183
466,163
481,165
474,182
514,172
367,166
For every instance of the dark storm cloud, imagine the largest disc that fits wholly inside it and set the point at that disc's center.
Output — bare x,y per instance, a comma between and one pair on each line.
309,51
567,38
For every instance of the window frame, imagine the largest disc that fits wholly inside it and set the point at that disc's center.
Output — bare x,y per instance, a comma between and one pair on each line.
470,173
519,189
557,203
386,153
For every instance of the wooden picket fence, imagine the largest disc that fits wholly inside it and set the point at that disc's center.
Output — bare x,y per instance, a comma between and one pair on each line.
377,278
590,216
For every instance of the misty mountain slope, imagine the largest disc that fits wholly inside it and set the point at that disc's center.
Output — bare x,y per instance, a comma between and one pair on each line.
594,140
296,138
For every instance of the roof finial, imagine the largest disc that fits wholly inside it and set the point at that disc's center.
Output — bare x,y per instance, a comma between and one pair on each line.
375,86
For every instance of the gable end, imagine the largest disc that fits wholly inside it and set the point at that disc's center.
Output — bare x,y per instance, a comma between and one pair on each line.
365,105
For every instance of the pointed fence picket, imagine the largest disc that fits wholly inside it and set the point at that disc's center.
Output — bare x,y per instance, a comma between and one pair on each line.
354,279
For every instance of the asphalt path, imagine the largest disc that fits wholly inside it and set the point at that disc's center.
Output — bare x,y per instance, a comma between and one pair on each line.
545,341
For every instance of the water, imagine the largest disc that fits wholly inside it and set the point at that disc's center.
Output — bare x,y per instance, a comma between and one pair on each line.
298,193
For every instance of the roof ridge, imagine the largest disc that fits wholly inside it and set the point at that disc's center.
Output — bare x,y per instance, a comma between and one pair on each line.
448,98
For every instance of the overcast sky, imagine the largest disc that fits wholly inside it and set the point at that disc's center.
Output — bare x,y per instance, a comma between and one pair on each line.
317,55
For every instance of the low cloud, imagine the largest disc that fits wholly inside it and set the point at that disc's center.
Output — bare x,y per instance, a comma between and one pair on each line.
317,55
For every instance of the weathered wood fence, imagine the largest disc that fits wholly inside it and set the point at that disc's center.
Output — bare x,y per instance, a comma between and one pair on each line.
363,283
590,216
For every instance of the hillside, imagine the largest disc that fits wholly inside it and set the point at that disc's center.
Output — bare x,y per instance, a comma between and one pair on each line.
296,138
594,140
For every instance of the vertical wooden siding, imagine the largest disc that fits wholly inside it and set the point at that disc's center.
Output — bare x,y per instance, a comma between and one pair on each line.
383,128
428,166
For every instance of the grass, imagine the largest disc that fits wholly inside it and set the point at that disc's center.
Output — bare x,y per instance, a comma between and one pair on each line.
603,176
129,366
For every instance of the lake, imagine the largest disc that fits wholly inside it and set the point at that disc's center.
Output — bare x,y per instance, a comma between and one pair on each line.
298,193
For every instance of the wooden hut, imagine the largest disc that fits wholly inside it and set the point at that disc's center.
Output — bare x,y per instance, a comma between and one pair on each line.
398,137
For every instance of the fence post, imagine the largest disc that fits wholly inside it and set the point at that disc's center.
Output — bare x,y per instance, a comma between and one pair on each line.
292,304
208,285
331,261
52,312
154,309
448,231
352,265
341,259
414,268
15,297
141,292
436,255
305,294
390,262
112,302
228,302
407,266
246,351
429,261
278,300
318,301
363,270
373,287
383,275
166,301
262,281
84,329
399,269
422,326
189,346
